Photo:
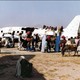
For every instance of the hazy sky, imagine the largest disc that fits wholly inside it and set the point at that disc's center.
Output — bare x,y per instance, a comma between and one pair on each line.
31,13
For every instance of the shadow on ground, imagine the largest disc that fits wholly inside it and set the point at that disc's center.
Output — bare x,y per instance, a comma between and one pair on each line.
8,68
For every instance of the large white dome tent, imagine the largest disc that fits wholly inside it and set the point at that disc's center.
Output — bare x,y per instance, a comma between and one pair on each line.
72,29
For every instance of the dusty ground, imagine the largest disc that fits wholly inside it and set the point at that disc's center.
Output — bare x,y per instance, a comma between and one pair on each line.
46,66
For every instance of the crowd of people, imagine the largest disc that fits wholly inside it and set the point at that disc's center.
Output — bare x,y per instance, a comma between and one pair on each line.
46,43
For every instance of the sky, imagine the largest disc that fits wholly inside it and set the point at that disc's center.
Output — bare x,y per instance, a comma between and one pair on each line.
38,13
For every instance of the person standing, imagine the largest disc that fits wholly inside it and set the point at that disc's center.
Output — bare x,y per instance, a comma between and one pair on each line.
62,45
20,41
48,43
43,43
13,39
57,43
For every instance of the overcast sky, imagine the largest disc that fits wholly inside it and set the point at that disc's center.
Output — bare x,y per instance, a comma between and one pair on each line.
33,13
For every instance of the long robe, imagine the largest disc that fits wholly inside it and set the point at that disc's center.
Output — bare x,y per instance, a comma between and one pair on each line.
43,43
57,46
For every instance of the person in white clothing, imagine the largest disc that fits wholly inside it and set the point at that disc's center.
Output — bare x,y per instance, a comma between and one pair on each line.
43,43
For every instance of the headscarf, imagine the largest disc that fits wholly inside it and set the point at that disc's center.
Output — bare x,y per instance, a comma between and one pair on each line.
63,37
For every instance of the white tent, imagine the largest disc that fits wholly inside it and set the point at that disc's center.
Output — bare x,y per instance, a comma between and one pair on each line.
42,32
72,29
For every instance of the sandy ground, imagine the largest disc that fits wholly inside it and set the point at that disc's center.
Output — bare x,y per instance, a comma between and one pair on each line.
46,66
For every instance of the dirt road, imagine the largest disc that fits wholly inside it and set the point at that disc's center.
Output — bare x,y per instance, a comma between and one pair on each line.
46,66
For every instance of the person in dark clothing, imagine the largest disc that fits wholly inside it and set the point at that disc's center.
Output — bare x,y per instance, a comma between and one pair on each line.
23,68
62,44
37,40
26,68
10,43
48,43
13,38
33,42
28,39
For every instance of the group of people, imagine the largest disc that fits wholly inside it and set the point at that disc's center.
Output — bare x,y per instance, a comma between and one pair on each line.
71,44
45,43
7,40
